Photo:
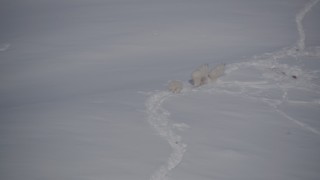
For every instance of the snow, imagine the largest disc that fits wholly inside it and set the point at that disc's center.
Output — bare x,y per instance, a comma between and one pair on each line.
84,90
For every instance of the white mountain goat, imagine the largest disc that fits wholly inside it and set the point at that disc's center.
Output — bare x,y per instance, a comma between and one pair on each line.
216,72
200,75
175,86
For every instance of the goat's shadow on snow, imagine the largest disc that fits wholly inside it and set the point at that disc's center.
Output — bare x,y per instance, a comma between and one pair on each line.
191,82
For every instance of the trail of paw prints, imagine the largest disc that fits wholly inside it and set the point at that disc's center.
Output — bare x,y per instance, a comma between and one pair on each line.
299,18
158,118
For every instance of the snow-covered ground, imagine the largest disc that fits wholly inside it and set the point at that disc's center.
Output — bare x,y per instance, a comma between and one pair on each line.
84,97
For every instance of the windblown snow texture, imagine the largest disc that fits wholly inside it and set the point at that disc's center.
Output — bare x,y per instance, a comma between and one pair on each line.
4,47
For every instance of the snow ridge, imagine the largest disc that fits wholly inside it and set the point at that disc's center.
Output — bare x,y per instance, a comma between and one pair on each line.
158,117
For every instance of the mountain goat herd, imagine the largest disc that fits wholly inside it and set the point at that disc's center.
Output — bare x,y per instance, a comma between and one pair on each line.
202,75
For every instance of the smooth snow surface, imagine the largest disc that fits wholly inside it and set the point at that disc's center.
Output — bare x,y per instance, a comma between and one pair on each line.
83,90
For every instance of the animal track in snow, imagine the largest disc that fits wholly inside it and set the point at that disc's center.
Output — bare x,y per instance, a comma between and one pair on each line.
275,76
158,118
